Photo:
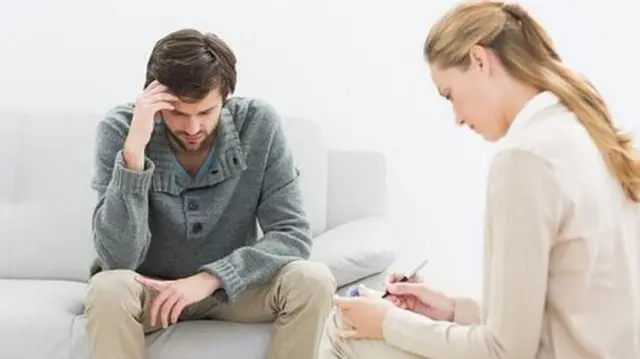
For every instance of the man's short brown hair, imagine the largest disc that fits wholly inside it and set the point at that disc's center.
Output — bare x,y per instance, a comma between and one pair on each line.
191,64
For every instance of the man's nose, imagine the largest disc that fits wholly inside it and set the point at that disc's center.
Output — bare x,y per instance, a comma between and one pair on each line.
193,126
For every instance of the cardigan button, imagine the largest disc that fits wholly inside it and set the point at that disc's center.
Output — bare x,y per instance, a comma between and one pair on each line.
192,205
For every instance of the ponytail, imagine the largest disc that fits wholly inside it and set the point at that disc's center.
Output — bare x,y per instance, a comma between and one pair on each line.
548,72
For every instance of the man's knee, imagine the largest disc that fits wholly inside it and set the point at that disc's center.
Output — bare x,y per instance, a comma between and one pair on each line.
313,282
113,290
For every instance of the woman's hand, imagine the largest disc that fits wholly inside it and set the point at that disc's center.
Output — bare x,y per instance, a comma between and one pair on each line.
416,296
363,315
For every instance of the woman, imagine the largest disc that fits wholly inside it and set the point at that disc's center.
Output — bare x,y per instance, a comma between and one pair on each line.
562,253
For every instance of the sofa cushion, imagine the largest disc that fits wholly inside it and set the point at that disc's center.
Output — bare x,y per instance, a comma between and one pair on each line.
43,319
312,159
210,339
46,202
38,318
39,240
356,250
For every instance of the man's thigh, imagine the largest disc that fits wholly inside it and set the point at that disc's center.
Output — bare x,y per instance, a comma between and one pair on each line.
265,301
334,347
254,305
115,292
110,293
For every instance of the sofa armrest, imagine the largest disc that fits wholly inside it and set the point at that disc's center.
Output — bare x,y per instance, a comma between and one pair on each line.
357,186
355,250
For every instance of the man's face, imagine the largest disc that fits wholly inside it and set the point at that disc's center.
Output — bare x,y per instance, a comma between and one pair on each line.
191,123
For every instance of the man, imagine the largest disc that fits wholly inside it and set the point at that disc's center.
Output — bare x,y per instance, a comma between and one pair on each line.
182,175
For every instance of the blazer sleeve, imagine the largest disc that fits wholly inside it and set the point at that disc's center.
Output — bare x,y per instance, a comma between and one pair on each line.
524,210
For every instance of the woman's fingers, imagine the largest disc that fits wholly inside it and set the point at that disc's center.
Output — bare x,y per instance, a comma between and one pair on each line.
407,288
392,278
416,278
396,277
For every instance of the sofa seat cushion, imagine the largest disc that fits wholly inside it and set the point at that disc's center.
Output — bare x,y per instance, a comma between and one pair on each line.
43,319
210,339
38,318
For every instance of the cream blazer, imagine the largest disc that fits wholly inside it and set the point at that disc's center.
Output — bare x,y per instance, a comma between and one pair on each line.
561,255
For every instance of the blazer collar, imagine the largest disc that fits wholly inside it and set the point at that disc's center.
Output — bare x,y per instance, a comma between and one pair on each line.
542,101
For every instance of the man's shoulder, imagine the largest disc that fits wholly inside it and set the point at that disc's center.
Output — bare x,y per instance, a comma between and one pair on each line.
250,113
117,121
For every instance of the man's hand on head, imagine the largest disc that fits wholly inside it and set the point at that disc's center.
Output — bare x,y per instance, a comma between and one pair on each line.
174,295
156,97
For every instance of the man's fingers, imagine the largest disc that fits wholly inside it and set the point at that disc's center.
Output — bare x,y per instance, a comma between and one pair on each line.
158,302
154,87
158,106
151,283
177,310
151,85
167,308
161,96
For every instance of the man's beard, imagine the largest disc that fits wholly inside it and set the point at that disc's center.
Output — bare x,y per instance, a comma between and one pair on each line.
175,139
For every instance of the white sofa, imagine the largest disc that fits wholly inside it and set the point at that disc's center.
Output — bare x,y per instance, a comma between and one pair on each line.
46,204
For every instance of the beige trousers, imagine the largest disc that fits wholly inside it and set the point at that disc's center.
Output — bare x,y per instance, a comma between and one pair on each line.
297,299
334,347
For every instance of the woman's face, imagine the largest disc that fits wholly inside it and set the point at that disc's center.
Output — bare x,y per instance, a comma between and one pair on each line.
475,96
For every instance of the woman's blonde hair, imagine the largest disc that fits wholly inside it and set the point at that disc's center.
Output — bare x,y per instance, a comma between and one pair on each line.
528,54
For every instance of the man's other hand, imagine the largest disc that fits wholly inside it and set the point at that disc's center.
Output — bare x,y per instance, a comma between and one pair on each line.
174,295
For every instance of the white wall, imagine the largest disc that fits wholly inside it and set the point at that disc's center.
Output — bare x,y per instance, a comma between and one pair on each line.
354,66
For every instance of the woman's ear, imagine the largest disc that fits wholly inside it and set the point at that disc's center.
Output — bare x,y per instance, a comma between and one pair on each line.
479,57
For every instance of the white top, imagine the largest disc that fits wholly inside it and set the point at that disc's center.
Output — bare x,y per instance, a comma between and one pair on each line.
562,255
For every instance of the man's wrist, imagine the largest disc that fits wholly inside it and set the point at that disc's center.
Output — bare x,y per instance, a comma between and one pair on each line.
133,157
214,282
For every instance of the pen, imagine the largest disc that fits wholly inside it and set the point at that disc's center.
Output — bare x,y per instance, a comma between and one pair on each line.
407,276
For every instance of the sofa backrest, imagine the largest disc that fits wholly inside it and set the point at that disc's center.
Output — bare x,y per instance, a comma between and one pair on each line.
46,203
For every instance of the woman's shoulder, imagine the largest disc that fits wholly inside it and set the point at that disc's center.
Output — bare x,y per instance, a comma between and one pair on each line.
554,136
553,149
550,132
